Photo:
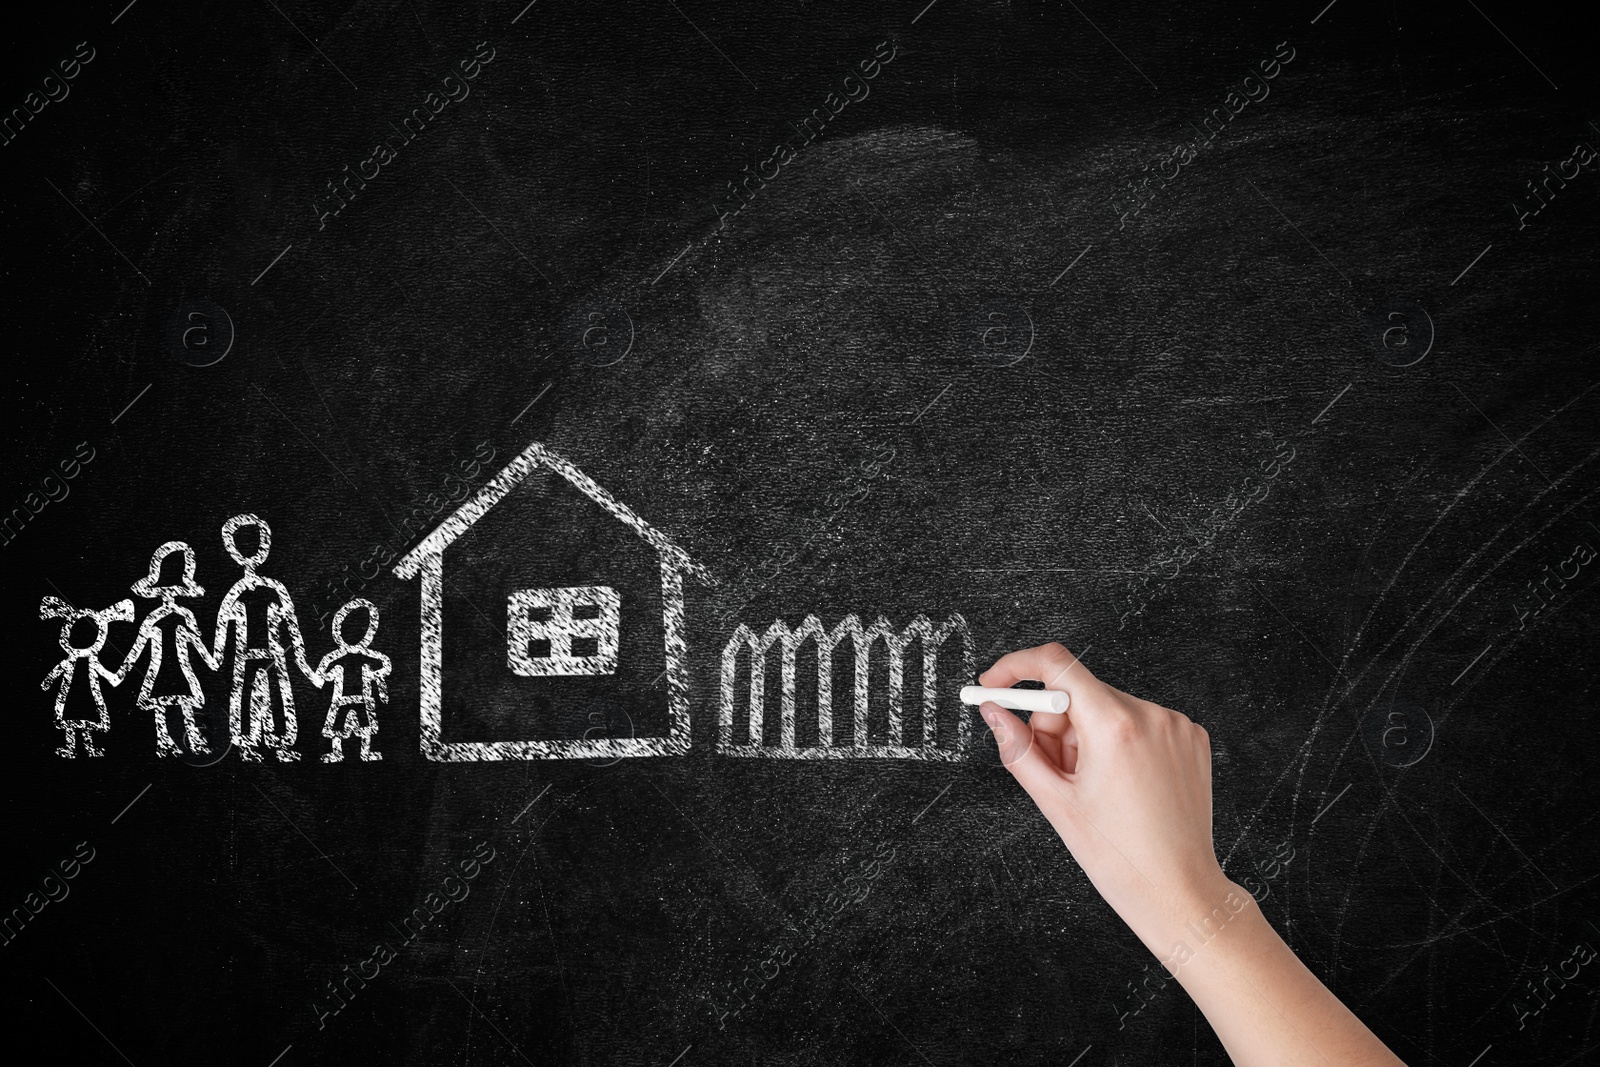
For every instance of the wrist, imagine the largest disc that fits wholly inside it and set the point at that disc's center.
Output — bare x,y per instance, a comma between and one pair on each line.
1193,918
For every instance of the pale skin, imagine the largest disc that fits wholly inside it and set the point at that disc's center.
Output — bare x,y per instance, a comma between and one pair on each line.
1127,785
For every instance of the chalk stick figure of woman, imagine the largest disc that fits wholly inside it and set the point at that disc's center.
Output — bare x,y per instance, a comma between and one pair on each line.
80,705
369,671
259,613
169,683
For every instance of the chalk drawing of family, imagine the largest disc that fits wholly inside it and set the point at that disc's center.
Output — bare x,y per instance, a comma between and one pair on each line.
257,621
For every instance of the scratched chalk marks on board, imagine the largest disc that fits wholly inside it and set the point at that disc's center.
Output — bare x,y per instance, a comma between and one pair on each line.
935,742
552,632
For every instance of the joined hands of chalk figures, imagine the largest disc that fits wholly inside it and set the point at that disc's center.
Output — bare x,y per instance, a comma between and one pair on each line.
1126,784
257,620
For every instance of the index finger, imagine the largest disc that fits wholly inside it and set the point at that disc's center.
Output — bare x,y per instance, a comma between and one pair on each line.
1051,664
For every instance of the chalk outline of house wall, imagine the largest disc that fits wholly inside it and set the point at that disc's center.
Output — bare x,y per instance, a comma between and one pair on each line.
427,559
862,640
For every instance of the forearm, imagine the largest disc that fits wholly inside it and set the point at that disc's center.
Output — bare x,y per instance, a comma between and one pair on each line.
1266,1007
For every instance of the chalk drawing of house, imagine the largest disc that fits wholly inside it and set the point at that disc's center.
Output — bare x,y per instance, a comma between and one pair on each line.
751,649
554,636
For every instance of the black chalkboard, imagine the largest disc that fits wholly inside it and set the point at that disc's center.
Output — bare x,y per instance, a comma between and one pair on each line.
617,431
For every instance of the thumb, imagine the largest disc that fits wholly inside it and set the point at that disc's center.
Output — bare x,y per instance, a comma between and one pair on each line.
1020,755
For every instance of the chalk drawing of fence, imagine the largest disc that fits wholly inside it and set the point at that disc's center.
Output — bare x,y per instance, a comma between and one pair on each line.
863,640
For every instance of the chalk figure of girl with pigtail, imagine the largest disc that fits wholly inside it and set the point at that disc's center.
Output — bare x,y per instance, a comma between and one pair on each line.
80,705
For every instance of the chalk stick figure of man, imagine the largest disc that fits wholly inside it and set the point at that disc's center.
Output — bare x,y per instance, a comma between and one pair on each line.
354,666
169,684
259,613
80,704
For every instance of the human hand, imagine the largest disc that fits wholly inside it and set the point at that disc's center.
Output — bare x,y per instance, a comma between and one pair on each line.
1126,784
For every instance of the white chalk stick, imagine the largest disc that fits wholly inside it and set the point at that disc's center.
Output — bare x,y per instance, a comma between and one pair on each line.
1049,700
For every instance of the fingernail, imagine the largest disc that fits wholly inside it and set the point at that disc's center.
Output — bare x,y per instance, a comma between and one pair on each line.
990,717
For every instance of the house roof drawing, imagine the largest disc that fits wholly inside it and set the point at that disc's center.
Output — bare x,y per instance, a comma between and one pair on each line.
511,476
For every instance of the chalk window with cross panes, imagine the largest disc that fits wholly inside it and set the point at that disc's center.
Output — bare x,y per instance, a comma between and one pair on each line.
563,632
